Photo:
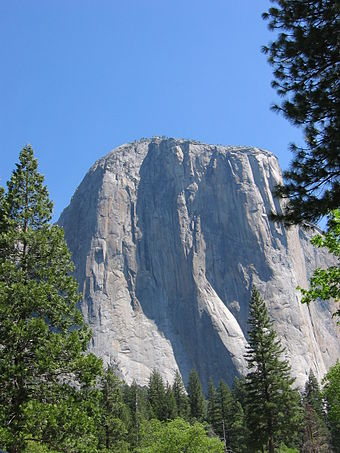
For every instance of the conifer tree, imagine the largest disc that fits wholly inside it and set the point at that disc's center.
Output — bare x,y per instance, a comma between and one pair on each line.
312,394
239,390
180,396
214,413
233,425
226,402
43,338
331,393
306,63
156,396
136,400
316,437
170,403
196,398
237,430
272,407
114,413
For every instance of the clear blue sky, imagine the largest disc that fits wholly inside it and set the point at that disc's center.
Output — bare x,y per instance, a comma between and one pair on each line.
80,77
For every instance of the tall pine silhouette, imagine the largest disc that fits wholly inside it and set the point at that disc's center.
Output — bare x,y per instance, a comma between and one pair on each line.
196,398
272,407
43,338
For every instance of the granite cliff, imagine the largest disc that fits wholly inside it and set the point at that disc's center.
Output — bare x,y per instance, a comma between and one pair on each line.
168,236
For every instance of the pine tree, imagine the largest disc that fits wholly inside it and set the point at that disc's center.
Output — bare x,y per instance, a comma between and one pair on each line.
156,396
181,397
44,367
305,58
312,394
214,413
331,393
224,399
135,398
196,398
239,390
233,424
272,407
237,431
114,413
316,438
170,403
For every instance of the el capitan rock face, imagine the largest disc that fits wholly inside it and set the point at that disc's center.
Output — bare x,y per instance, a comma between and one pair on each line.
168,236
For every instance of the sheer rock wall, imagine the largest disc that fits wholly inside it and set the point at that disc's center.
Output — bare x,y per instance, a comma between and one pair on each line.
168,236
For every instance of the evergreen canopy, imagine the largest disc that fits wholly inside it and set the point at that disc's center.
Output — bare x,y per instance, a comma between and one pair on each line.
43,338
306,62
271,405
196,398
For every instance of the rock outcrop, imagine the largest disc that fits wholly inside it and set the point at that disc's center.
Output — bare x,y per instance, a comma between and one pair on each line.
168,237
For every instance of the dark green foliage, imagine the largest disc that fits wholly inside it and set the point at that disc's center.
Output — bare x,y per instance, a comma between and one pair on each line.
316,437
272,407
232,425
44,371
135,398
69,423
161,400
181,398
214,415
237,433
157,396
226,416
225,399
312,394
114,414
239,390
196,398
306,61
170,403
56,398
331,393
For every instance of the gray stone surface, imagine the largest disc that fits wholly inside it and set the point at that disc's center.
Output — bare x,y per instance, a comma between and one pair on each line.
168,237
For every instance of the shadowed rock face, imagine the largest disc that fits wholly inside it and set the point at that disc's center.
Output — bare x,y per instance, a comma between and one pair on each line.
168,237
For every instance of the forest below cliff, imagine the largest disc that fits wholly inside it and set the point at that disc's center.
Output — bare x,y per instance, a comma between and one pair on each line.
56,397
